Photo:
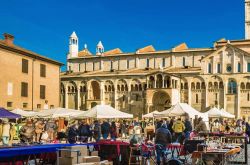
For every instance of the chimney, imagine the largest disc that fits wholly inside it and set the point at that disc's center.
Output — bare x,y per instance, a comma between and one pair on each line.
8,38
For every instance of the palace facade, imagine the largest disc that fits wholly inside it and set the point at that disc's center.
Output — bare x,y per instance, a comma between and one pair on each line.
147,79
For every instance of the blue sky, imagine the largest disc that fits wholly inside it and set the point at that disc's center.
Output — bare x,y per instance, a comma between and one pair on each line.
44,26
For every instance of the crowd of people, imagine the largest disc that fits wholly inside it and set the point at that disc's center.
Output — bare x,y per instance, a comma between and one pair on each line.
50,130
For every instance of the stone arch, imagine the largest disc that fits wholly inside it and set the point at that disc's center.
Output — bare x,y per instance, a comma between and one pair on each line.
161,101
95,90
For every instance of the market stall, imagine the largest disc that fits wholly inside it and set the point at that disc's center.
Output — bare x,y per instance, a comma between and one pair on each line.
103,112
24,113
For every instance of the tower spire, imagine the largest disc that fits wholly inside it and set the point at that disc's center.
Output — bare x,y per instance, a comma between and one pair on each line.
73,45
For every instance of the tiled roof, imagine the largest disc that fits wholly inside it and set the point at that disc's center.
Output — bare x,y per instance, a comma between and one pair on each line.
84,52
113,51
146,49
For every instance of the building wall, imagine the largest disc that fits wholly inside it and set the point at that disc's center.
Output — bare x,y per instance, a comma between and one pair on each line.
11,72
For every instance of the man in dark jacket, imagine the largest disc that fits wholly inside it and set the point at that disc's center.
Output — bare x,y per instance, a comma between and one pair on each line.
105,129
188,127
84,131
73,132
163,137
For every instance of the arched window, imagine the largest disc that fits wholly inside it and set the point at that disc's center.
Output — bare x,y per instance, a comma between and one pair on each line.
136,87
198,85
232,87
122,88
221,86
186,86
216,86
248,97
192,85
210,85
105,88
248,86
109,88
203,86
118,87
242,86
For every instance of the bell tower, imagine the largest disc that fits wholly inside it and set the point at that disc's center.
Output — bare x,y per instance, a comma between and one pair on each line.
73,45
247,19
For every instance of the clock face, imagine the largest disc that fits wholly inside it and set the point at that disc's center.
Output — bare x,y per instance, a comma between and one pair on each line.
229,68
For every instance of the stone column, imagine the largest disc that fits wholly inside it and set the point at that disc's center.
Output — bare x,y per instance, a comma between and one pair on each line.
155,82
189,94
225,96
78,97
206,95
66,97
102,92
237,109
163,82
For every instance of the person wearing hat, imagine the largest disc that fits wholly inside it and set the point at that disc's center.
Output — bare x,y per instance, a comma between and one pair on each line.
6,132
201,127
27,132
73,133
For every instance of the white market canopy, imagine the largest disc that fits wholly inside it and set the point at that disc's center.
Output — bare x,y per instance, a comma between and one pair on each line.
215,112
24,113
227,114
181,109
59,112
104,112
151,114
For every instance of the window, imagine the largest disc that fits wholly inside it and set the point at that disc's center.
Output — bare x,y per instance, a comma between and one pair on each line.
24,89
127,64
248,67
9,104
25,105
239,67
38,106
184,61
25,66
209,68
232,87
79,67
147,63
229,68
111,65
93,66
248,97
163,62
42,70
218,68
197,98
42,91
